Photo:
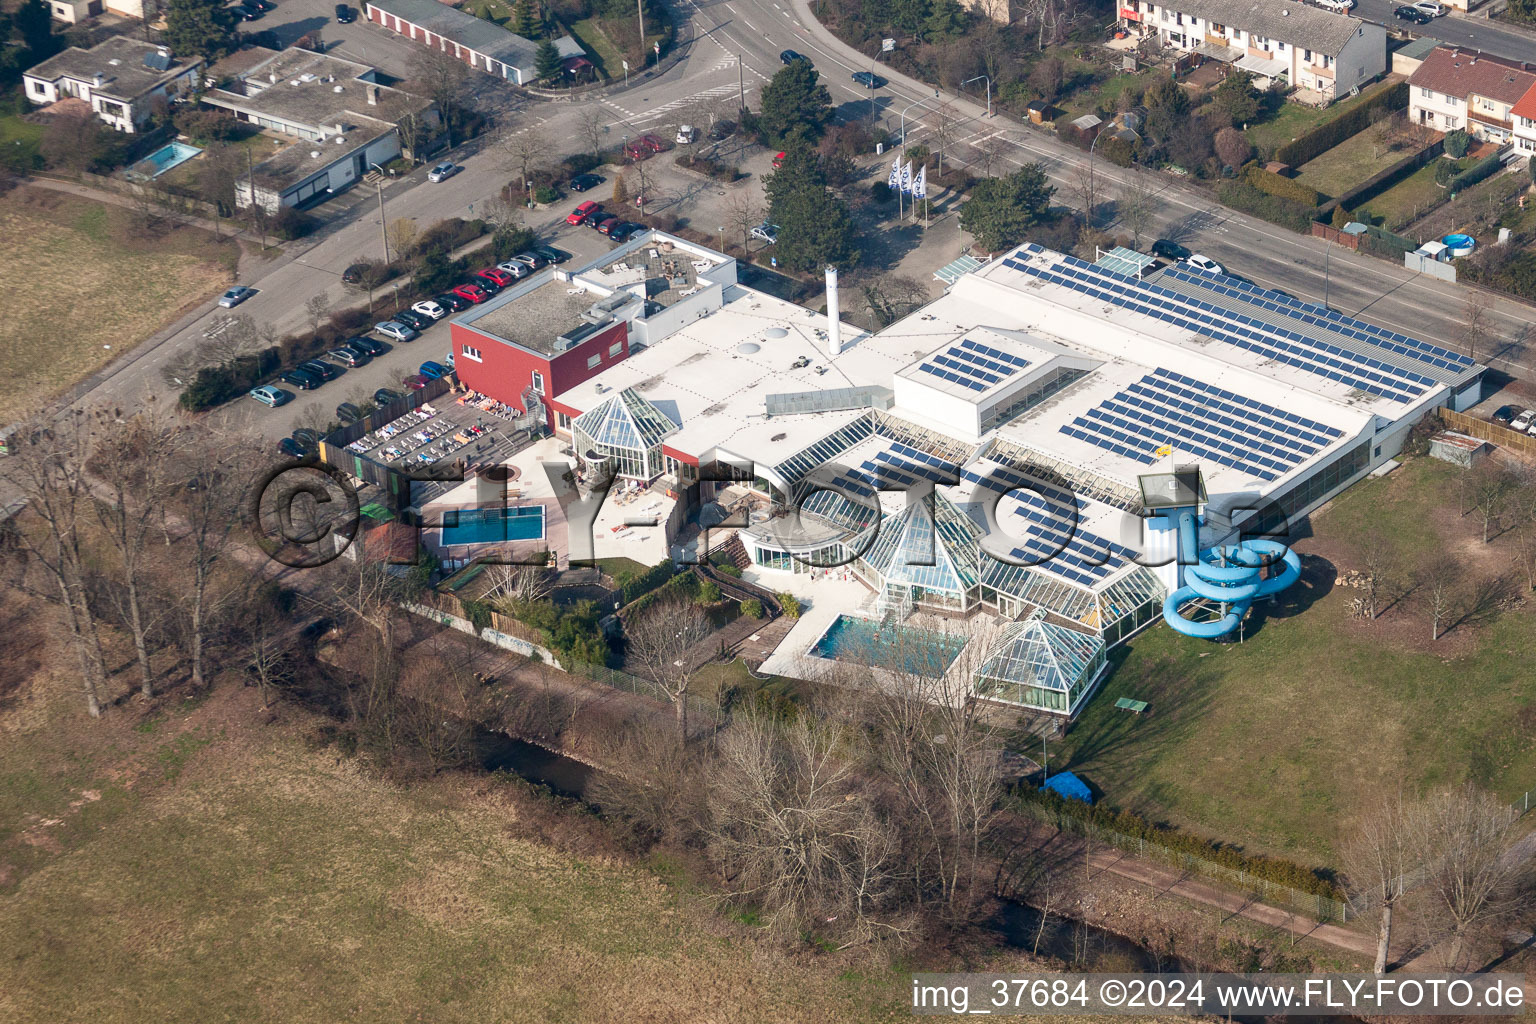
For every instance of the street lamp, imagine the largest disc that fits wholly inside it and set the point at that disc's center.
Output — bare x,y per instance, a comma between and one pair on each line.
904,110
968,81
383,224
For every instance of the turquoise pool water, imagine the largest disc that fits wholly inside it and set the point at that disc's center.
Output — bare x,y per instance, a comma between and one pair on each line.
850,638
164,158
493,525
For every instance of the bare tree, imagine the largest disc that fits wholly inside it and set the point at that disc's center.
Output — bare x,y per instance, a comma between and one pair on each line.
1476,325
208,507
526,148
47,467
1491,487
318,309
268,646
1473,872
1378,861
402,236
946,125
1379,567
511,585
889,297
1522,519
659,639
130,462
1138,205
444,79
745,210
1085,189
1438,578
991,153
592,122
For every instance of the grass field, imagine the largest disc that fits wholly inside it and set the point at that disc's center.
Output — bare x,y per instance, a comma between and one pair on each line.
199,866
1293,120
118,288
1278,742
1348,164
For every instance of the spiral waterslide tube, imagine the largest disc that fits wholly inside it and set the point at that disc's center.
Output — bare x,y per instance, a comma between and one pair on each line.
1231,575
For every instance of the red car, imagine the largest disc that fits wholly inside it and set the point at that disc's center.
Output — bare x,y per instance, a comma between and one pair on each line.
607,227
415,382
653,143
498,279
778,161
603,222
472,292
637,150
582,212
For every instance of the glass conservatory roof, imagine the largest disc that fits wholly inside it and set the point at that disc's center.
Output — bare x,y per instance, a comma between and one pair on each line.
1040,654
626,420
930,544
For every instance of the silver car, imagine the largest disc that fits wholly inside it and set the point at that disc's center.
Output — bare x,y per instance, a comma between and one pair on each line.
236,295
766,232
395,329
443,171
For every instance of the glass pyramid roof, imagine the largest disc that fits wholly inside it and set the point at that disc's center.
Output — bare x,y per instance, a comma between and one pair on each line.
1039,654
627,420
929,544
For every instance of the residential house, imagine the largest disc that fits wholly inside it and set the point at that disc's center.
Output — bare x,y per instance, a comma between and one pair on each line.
341,121
73,12
481,44
1457,88
1325,55
1524,114
121,78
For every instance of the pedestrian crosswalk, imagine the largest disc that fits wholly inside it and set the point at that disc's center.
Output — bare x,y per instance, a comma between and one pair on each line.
648,114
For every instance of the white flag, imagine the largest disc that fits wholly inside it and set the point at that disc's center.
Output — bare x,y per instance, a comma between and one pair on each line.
920,186
906,177
895,179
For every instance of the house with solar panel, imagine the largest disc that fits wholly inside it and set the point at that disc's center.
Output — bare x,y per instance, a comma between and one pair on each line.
1026,451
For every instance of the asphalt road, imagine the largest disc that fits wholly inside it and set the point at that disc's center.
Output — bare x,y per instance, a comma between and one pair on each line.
735,49
1470,30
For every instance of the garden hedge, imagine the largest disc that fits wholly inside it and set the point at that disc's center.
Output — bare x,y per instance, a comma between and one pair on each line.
1285,188
1484,168
1350,123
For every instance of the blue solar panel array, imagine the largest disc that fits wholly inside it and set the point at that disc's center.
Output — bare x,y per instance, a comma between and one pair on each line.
1328,319
1331,361
1056,544
906,465
974,365
1169,408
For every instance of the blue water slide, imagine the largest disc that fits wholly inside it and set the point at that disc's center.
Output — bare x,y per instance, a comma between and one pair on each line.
1233,576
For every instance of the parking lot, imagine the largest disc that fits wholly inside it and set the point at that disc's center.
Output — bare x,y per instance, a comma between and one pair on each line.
316,410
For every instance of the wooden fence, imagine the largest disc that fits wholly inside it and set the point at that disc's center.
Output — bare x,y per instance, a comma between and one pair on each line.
1486,431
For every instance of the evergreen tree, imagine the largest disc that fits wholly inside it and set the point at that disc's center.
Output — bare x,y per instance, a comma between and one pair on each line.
946,20
546,62
525,20
33,23
205,28
1001,210
795,105
815,227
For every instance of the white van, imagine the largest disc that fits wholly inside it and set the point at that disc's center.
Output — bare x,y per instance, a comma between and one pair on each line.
686,135
1337,6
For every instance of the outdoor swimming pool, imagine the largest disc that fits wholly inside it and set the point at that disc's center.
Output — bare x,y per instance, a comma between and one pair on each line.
923,651
493,525
163,159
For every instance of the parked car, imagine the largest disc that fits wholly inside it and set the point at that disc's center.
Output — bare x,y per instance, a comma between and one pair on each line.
1408,12
598,220
426,307
346,357
472,293
790,56
236,295
498,277
291,448
1523,422
354,273
344,14
395,329
364,345
249,11
415,321
766,232
868,79
531,260
1200,262
1432,8
606,226
302,379
582,182
443,171
348,413
1337,6
270,396
551,254
415,382
637,151
582,212
1505,414
625,230
322,370
386,396
778,159
686,134
516,269
433,370
309,439
1170,250
451,302
722,130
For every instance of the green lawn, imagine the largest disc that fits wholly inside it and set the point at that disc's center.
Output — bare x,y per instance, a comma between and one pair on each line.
1293,120
1348,164
1278,743
605,55
19,140
1403,203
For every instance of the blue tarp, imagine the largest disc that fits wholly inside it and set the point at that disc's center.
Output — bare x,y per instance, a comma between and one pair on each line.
1070,786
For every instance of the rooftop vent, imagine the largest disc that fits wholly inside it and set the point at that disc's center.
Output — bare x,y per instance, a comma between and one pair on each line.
746,348
314,154
775,332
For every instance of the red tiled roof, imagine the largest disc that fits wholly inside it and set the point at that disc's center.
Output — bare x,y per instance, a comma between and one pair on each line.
1465,72
1527,105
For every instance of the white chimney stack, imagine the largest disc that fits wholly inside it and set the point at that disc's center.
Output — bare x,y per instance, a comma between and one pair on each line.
834,321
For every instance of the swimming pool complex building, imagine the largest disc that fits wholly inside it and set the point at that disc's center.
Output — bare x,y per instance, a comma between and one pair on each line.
1022,446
